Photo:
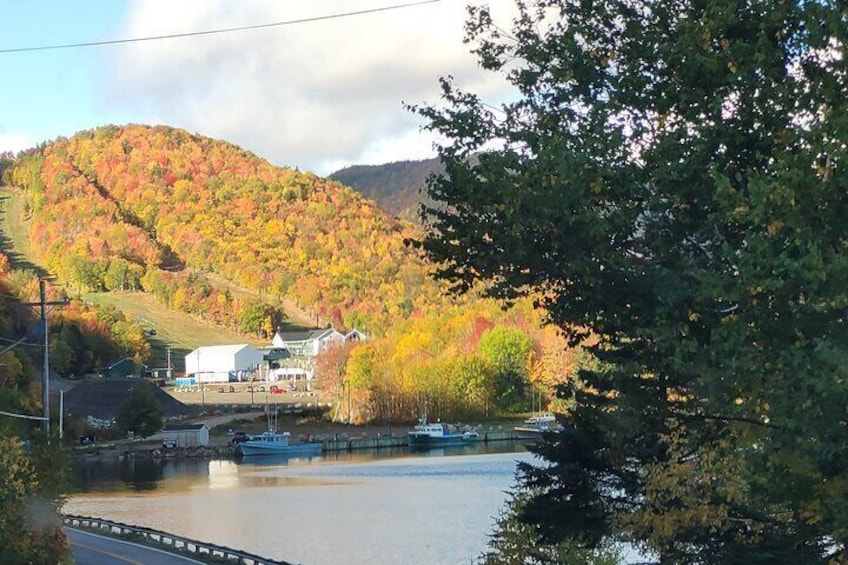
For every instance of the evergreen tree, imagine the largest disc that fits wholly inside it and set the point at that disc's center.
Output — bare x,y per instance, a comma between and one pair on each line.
141,413
670,180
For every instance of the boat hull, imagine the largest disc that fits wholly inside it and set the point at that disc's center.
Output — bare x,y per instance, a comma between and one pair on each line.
528,434
248,449
425,441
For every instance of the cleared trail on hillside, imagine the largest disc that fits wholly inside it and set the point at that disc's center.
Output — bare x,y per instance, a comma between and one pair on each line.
176,330
295,314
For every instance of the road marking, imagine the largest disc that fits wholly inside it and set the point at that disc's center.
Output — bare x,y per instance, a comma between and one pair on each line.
172,554
110,554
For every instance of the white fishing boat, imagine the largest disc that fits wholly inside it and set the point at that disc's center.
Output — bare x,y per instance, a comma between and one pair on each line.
430,434
535,426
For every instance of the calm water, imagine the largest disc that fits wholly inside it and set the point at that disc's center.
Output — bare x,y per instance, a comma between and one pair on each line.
434,508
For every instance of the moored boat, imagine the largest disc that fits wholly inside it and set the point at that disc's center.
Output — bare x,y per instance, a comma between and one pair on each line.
535,426
276,443
430,434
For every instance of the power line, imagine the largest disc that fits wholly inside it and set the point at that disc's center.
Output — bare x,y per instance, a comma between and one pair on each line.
26,416
19,342
214,31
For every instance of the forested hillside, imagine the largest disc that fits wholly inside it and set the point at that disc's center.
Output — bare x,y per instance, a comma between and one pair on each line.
154,208
396,187
161,211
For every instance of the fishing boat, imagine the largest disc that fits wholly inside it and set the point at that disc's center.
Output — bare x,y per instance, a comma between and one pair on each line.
273,442
535,426
276,443
429,434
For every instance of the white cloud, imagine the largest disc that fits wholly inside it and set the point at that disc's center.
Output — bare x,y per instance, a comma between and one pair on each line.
14,142
311,94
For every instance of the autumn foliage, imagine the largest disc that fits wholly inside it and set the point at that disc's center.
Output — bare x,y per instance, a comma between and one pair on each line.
158,210
140,208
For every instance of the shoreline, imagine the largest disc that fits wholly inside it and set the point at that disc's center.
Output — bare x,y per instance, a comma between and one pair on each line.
118,452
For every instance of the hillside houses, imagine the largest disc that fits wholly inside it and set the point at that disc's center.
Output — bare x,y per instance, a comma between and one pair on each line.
289,359
311,343
298,371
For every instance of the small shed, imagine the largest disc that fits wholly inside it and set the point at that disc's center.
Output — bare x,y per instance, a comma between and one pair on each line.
186,435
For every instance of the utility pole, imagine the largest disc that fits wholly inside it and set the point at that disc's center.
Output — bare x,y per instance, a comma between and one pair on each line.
45,374
348,403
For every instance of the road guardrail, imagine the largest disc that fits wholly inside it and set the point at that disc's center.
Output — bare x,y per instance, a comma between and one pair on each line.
181,545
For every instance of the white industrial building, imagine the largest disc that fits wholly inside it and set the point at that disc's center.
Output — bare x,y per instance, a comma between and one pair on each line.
222,363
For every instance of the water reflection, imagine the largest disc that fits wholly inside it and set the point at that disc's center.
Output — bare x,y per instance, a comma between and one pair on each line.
144,475
439,506
275,459
138,475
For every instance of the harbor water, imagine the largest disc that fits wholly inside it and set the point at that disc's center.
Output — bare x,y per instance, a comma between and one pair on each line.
437,506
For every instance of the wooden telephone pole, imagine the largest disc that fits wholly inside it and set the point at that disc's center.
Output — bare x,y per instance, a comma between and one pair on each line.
45,374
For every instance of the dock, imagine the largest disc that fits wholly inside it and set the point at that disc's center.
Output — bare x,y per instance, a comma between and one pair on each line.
400,441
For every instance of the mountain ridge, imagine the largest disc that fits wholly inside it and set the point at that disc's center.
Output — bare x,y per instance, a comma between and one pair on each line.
398,187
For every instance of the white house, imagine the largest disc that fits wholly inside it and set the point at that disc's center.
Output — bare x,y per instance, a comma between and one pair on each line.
311,343
185,435
222,363
355,335
295,377
298,371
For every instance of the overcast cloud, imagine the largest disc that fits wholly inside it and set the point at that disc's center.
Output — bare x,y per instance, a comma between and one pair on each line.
317,95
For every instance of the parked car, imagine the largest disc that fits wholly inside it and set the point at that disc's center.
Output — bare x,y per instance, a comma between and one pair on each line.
239,437
277,390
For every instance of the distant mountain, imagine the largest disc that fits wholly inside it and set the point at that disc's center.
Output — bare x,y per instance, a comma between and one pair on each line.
396,187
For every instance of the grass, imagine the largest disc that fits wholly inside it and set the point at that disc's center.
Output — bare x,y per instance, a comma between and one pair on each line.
14,239
176,330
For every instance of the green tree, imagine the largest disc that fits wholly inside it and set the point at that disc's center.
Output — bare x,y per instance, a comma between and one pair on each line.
61,356
253,317
141,413
507,350
670,180
517,543
117,276
30,529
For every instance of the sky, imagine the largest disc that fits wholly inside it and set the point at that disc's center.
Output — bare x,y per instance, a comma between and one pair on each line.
318,95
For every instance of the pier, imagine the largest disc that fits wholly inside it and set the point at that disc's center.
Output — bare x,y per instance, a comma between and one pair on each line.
400,441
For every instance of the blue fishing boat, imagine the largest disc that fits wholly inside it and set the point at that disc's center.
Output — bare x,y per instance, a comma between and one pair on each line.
276,443
273,442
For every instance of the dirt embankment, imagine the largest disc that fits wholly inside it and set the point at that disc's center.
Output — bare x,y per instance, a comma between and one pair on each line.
102,398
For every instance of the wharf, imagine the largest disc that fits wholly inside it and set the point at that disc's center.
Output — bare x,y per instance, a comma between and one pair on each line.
400,441
334,444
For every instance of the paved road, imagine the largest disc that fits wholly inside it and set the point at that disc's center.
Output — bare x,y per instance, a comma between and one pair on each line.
94,549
